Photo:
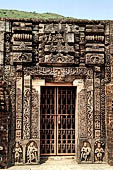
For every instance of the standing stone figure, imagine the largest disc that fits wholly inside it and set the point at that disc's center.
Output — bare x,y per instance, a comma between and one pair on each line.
32,153
1,149
85,152
18,153
99,152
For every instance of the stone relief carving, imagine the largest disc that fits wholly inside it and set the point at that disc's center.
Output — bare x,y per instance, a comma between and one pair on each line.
21,57
32,152
92,58
90,113
99,151
35,115
26,114
82,113
59,58
85,151
21,37
18,153
1,155
57,45
102,99
97,115
67,71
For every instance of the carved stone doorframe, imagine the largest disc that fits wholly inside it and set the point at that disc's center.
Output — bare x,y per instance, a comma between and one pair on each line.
79,83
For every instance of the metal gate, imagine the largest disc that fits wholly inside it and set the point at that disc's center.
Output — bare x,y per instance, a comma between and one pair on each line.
57,128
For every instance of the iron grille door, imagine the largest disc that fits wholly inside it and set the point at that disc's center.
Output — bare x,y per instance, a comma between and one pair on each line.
65,121
57,121
48,121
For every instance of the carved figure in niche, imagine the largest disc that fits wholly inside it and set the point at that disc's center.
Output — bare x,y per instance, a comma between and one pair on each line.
85,151
32,152
99,151
18,153
1,149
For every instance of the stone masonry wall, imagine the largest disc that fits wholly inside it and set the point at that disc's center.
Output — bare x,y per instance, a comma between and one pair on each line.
33,52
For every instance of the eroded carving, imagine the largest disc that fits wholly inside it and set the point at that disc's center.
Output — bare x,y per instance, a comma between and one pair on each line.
32,152
18,153
85,151
99,151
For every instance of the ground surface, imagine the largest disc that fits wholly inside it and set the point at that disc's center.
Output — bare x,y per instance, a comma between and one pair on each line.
57,164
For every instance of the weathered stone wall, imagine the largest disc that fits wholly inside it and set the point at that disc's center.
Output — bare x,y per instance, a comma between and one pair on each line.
109,104
33,52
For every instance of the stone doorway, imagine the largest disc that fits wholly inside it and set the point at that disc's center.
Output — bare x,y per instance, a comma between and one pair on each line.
57,127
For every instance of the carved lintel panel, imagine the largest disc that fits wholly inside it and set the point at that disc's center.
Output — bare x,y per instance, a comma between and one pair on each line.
53,71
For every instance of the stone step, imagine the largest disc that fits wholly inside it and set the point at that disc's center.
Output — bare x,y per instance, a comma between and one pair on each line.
49,159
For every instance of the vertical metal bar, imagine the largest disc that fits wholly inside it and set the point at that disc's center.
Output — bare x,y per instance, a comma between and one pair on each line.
22,99
50,120
55,122
66,131
61,130
71,118
57,118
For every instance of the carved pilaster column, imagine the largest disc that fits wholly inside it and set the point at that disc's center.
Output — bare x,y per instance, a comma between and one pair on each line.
35,118
19,108
97,114
26,108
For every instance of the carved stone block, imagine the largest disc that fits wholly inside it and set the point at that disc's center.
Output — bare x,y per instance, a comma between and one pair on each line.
70,37
2,26
21,57
94,58
95,28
